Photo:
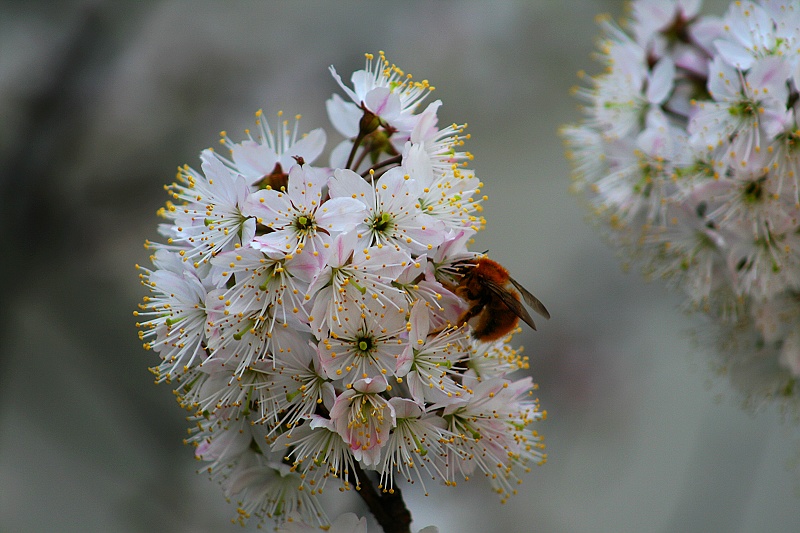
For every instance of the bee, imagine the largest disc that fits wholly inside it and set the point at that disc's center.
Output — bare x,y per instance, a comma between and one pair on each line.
494,299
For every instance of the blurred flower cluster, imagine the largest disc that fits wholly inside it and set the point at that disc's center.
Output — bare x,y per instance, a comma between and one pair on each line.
689,155
310,316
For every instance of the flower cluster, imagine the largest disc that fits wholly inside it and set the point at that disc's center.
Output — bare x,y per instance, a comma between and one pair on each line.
309,316
689,154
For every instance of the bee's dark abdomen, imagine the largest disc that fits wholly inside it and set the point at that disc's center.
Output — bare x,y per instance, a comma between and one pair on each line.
495,321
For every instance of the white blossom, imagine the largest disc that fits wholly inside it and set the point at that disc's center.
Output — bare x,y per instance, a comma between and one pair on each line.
310,316
688,155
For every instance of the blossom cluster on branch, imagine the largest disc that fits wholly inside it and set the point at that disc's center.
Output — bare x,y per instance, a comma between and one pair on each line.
689,155
309,318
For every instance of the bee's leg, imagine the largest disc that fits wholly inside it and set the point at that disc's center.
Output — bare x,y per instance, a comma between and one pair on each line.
471,313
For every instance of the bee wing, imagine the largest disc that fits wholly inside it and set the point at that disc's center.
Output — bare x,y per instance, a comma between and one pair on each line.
511,301
530,299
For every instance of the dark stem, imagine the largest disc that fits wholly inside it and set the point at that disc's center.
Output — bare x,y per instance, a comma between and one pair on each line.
386,162
356,144
388,508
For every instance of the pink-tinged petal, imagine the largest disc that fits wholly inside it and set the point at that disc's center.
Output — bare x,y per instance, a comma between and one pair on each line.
723,80
319,324
705,31
768,78
307,266
225,443
309,148
734,54
220,178
305,187
775,121
655,140
317,421
363,82
692,59
383,102
343,247
332,361
347,184
241,479
172,283
340,214
248,230
253,160
404,362
283,241
370,456
405,408
417,164
241,190
420,324
425,232
416,388
387,261
266,204
344,87
328,394
341,406
454,245
660,81
344,116
425,128
371,385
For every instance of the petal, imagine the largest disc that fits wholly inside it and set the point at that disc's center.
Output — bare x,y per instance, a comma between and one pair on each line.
734,54
768,77
338,157
383,102
363,82
344,116
340,214
417,164
305,188
420,322
660,81
405,408
309,148
283,241
344,87
269,205
426,128
723,80
346,183
253,160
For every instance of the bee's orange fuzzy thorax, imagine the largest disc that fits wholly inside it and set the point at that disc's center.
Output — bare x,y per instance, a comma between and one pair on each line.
491,270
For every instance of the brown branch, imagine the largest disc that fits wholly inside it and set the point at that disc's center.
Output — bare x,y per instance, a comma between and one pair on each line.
388,508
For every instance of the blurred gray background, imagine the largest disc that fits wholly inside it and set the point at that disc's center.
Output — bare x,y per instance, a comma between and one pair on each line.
101,101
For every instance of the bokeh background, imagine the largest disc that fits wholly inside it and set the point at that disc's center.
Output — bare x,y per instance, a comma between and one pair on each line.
100,101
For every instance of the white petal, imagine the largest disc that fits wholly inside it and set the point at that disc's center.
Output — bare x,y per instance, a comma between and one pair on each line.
383,102
253,160
344,87
347,184
768,77
660,81
734,54
344,116
309,147
340,214
723,80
